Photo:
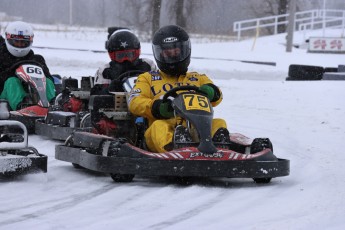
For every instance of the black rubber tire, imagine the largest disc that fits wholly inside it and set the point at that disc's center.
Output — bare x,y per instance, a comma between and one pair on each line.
305,73
77,166
69,142
331,69
86,121
262,180
258,145
122,177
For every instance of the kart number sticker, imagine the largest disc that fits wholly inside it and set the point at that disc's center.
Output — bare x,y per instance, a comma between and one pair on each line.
196,102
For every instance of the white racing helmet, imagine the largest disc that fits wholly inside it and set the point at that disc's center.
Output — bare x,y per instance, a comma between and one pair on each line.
19,37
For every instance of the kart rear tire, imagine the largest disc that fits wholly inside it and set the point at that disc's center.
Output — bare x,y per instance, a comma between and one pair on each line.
122,177
69,142
86,121
77,166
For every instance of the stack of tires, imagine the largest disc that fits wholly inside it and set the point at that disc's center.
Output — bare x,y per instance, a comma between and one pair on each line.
305,73
338,74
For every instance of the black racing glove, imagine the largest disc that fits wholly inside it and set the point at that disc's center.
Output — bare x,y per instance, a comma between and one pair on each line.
116,86
162,110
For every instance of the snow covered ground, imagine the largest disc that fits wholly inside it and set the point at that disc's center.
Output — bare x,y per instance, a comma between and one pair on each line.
304,120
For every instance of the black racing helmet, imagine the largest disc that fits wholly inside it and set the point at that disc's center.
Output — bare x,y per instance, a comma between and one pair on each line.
123,45
172,50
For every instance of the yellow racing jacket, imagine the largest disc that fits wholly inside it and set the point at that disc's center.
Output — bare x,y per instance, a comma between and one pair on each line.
151,86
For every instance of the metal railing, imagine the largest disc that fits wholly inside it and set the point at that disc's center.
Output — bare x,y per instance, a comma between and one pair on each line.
311,19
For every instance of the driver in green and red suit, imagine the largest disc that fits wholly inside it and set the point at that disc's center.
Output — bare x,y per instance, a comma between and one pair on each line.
172,51
16,47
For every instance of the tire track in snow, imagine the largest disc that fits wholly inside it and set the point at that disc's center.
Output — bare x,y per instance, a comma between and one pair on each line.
196,210
70,202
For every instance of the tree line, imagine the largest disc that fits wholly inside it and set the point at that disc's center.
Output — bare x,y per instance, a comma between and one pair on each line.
197,16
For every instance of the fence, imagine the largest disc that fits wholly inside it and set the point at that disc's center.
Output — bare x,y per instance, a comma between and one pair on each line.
304,20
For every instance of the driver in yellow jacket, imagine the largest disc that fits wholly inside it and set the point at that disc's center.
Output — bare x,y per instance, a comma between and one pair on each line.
172,51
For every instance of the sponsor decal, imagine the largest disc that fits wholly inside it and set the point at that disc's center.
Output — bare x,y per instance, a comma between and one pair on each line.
157,89
193,78
136,90
131,97
170,39
212,155
156,78
154,72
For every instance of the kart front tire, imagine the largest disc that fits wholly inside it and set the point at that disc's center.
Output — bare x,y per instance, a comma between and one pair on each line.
262,180
122,177
258,145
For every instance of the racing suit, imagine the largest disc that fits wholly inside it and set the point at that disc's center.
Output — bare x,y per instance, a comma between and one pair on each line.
153,85
11,87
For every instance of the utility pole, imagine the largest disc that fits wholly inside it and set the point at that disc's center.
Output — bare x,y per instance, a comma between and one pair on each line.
70,12
324,18
291,25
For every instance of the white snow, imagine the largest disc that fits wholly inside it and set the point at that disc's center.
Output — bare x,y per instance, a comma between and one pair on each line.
304,120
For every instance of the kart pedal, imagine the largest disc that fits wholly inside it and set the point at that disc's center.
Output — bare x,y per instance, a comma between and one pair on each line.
182,135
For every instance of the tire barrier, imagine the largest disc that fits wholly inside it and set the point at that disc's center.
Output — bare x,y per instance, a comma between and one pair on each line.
305,73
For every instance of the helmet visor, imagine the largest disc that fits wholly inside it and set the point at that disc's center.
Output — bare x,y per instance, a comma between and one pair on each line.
124,55
19,41
172,52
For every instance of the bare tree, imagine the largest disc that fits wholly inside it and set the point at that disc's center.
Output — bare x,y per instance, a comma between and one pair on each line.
180,16
180,12
266,8
270,8
157,5
282,9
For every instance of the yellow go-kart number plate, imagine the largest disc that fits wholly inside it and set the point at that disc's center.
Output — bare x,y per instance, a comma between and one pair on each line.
196,102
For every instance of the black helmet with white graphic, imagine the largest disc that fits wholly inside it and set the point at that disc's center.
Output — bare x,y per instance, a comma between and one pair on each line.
123,45
172,50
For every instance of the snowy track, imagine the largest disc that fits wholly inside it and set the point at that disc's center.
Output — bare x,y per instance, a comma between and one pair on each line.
304,120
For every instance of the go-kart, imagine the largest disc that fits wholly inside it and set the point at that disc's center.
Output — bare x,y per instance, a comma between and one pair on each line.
16,156
61,121
70,111
35,105
193,155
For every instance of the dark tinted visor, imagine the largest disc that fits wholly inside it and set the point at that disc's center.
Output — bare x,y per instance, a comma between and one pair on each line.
172,52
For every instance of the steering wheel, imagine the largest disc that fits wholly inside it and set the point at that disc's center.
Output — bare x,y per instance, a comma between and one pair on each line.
173,91
128,74
123,78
